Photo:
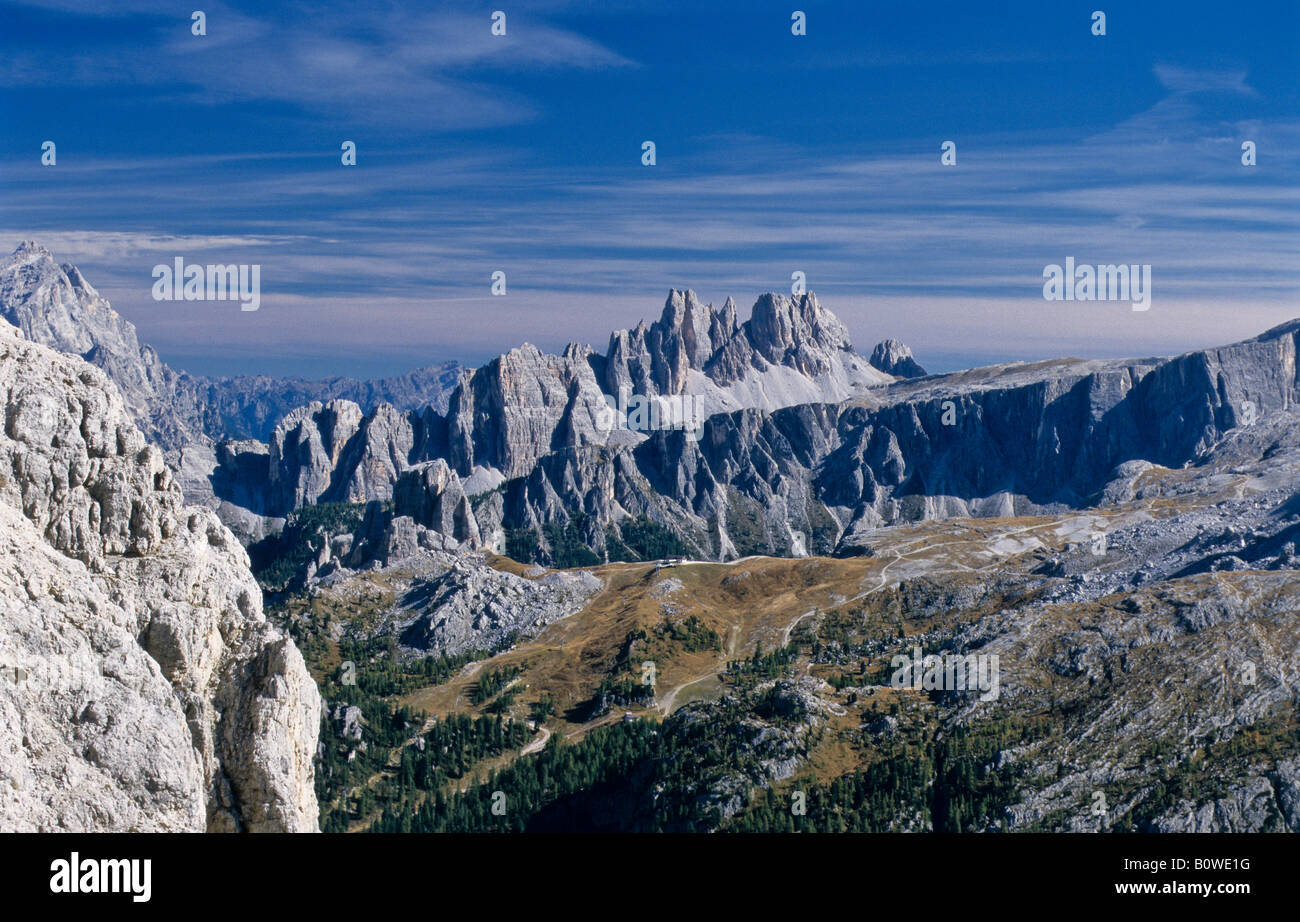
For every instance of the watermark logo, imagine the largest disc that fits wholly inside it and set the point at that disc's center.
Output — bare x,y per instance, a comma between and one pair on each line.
52,676
1098,283
1249,413
1100,807
105,875
641,413
947,672
949,417
192,282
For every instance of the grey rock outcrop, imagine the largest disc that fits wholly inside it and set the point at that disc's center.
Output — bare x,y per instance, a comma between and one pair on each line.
1248,807
154,694
349,722
474,607
432,495
331,452
523,405
430,512
448,603
895,358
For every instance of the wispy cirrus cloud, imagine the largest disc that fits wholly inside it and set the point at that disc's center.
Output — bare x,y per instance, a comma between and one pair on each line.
361,63
1188,80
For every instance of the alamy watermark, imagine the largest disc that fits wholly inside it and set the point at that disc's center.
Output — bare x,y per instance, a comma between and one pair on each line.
642,413
947,672
1098,283
103,875
183,281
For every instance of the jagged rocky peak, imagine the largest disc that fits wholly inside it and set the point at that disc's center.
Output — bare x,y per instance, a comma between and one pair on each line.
146,691
329,451
508,413
40,298
657,359
78,281
782,323
525,406
783,332
695,324
895,358
54,305
331,423
796,331
31,268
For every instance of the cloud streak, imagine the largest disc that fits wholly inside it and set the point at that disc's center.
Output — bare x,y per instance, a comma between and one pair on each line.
360,63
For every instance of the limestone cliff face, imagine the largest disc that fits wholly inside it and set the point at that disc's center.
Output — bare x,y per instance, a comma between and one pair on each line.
504,418
523,405
331,452
1005,440
141,686
507,417
432,495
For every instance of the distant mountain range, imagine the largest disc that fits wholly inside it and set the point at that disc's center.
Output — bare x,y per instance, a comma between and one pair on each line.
805,447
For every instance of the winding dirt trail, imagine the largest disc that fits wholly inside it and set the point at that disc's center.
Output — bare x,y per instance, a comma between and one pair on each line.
538,744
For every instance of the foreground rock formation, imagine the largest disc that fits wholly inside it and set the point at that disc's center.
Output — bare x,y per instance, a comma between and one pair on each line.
141,689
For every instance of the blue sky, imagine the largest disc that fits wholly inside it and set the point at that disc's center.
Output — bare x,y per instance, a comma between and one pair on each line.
775,153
